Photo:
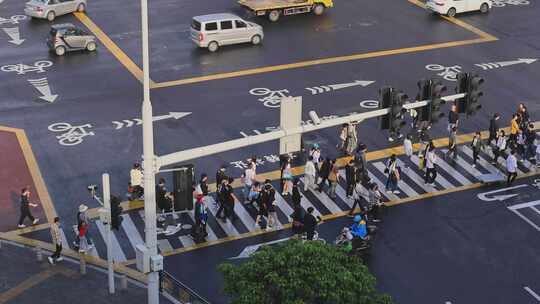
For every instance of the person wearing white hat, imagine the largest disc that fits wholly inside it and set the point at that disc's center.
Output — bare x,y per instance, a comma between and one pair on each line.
83,219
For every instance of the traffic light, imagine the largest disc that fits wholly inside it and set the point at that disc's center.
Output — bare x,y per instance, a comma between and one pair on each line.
470,86
385,100
424,93
437,89
397,111
474,94
116,211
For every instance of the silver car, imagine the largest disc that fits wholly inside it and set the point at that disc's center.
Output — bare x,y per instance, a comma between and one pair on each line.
49,9
67,37
213,31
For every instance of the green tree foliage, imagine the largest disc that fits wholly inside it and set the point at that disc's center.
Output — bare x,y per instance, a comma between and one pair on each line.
301,273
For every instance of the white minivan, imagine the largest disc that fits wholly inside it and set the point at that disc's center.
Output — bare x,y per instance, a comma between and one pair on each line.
215,30
453,7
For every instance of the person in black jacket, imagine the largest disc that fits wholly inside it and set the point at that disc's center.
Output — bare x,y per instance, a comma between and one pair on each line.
296,196
493,127
25,208
324,172
203,184
220,176
298,220
350,176
310,223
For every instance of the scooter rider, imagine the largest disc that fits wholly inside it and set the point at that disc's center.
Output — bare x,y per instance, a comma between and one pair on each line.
359,232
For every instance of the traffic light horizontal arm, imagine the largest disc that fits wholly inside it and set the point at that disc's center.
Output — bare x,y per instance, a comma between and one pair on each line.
186,155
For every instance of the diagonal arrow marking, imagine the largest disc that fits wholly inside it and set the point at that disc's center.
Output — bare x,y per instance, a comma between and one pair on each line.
175,115
42,85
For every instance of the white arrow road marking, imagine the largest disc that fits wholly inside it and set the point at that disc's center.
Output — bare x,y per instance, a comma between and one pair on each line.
483,196
14,34
249,250
333,87
495,65
42,85
532,293
128,123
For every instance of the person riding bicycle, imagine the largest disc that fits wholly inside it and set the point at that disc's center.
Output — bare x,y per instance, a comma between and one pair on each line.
359,232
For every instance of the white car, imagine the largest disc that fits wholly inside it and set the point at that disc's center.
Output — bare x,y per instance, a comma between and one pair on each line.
453,7
49,9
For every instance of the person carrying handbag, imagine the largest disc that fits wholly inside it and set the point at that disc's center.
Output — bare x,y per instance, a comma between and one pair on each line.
393,175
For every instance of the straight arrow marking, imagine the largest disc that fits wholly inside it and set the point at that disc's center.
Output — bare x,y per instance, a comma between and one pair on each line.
14,34
128,123
495,65
333,87
42,85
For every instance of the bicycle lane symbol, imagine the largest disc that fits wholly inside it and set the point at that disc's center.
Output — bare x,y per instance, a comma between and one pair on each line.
73,135
272,99
448,73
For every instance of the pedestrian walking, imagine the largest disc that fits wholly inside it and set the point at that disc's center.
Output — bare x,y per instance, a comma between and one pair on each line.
452,144
453,118
523,115
310,174
358,197
431,166
414,119
350,177
286,176
221,195
342,137
84,245
315,154
57,242
262,212
374,203
351,141
538,153
408,147
198,231
203,184
230,200
25,208
220,176
494,128
476,146
136,179
254,193
83,224
530,136
310,223
296,196
269,199
500,147
514,128
324,171
360,157
297,218
163,198
333,178
393,174
521,146
511,167
248,179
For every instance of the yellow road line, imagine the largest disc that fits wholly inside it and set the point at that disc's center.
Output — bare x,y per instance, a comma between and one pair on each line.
111,46
35,172
26,284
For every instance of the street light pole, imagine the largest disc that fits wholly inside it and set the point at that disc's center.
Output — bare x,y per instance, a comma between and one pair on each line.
149,161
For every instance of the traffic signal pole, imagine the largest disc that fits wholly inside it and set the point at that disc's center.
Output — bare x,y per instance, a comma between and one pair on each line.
107,206
199,152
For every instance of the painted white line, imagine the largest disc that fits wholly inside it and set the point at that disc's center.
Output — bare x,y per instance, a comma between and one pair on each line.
453,172
526,219
228,227
117,252
243,134
325,200
502,161
164,245
524,205
244,216
467,167
532,293
401,184
131,231
186,241
417,179
481,161
211,234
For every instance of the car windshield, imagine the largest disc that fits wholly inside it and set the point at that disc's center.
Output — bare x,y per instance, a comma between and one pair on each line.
196,25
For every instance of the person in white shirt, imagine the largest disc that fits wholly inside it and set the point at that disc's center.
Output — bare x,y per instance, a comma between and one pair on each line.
136,177
511,167
249,178
408,147
431,166
309,174
500,147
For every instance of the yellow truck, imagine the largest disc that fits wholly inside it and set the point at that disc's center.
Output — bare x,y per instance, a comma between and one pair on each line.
276,8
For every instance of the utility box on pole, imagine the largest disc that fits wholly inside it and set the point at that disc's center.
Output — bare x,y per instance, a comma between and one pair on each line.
291,117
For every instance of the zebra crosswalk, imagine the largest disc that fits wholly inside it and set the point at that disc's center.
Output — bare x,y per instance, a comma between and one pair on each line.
452,172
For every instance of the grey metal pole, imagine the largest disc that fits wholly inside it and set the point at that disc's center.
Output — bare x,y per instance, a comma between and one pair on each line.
149,161
107,205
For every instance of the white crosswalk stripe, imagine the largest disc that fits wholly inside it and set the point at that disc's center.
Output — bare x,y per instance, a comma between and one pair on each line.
326,200
401,185
243,215
466,166
131,231
453,172
342,194
228,227
481,161
164,245
502,161
417,179
211,234
117,252
439,179
389,196
186,241
65,243
93,251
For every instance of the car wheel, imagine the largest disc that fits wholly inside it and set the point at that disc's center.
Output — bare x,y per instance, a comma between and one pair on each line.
91,46
451,12
256,39
81,8
484,8
273,16
319,9
60,50
213,46
51,15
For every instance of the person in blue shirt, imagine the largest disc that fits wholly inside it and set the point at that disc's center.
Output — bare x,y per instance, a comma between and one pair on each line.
359,228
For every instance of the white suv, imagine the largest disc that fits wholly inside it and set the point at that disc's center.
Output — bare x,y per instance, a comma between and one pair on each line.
452,7
213,31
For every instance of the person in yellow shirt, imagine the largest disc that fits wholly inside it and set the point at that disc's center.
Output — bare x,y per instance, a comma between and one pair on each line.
514,128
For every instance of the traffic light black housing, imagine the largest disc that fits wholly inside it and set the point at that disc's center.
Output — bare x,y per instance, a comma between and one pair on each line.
385,101
469,85
437,89
393,100
116,211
